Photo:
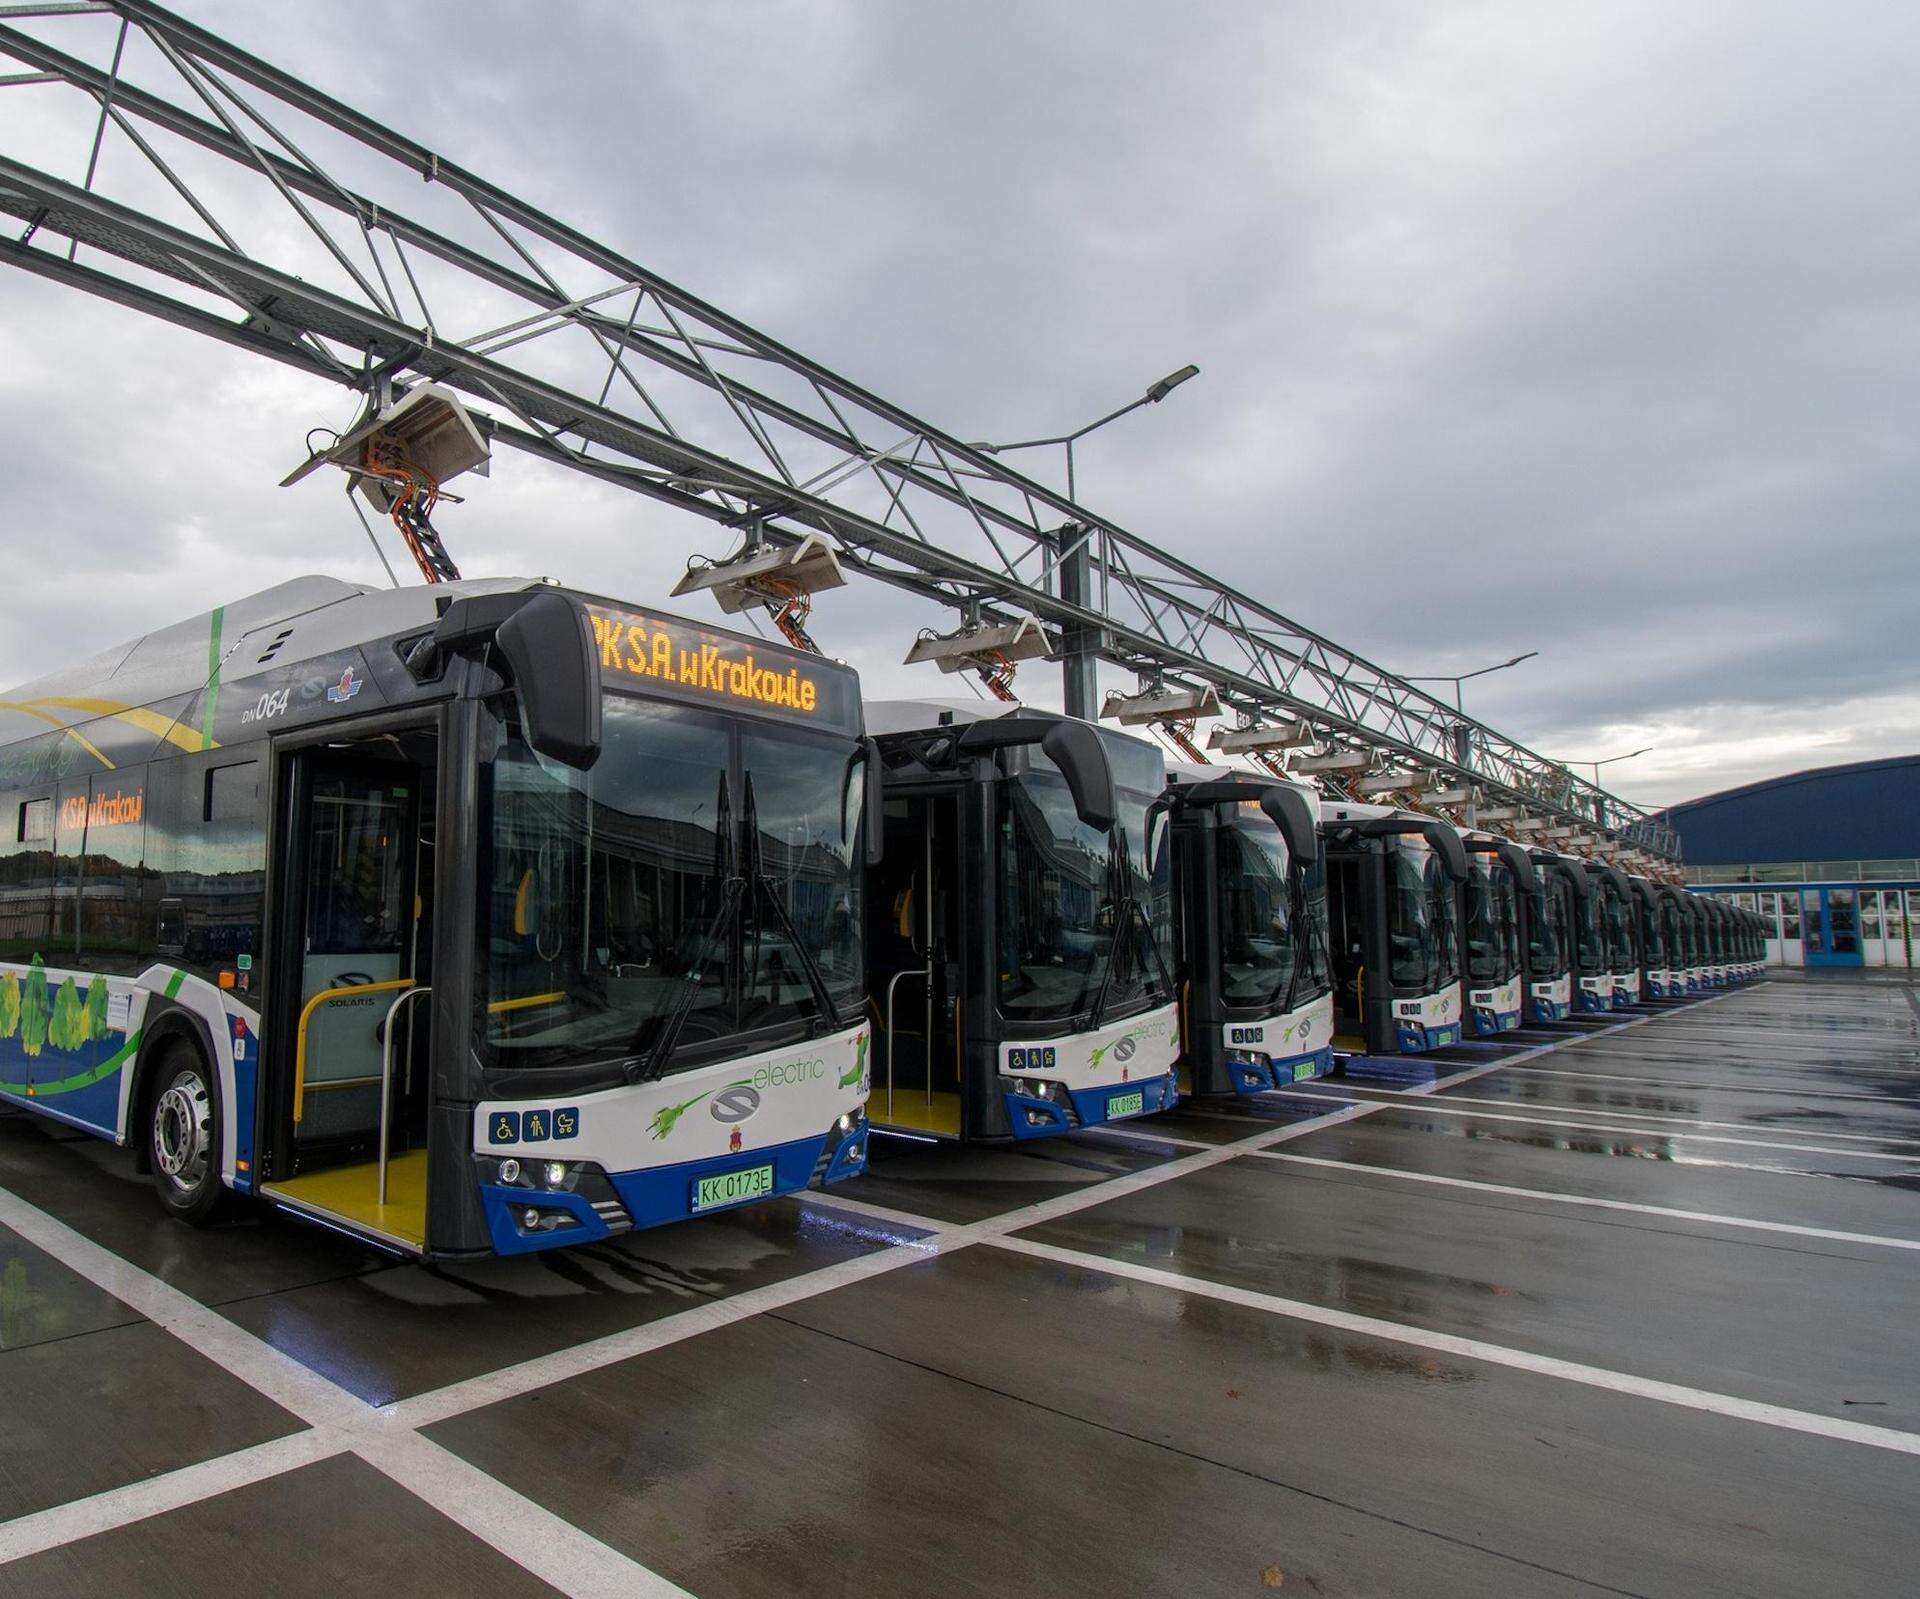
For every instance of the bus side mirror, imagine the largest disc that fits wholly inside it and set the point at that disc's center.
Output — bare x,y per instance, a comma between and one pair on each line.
1076,749
549,648
1446,844
873,811
1292,812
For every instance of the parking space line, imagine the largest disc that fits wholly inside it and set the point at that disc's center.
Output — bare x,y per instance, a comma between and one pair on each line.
1620,1382
1159,1138
1705,1088
1878,1240
561,1554
1429,1107
1652,1116
528,1534
170,1490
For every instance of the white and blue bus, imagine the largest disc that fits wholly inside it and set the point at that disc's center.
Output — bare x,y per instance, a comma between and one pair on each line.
476,918
1020,930
1250,900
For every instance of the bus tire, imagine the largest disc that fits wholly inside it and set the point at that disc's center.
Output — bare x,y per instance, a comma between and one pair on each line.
183,1133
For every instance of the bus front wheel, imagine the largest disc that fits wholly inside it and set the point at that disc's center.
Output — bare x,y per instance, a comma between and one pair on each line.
183,1134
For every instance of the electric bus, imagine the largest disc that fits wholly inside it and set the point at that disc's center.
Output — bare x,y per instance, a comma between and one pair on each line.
1660,956
1250,902
1020,924
1393,909
1499,877
483,917
1692,921
1548,922
1615,915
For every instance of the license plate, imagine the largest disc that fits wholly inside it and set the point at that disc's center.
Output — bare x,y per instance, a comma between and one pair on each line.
1302,1070
731,1188
1126,1104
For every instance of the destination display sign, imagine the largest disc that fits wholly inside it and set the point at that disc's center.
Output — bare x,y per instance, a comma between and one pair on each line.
663,655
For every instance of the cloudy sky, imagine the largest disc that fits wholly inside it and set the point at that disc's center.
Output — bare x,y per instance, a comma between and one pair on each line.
1585,329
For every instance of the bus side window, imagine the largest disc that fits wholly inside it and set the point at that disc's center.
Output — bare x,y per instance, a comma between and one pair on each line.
172,936
26,876
111,923
206,860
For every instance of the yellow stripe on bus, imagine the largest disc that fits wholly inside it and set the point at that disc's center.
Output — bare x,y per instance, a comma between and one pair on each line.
166,727
27,709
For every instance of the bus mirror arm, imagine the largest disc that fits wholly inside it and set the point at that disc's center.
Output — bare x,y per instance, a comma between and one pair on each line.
546,644
1073,746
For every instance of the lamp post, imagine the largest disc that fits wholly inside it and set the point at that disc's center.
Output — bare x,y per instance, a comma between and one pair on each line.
1154,395
1456,681
1599,798
1607,760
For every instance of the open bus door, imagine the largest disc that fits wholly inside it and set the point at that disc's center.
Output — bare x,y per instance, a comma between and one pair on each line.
347,1080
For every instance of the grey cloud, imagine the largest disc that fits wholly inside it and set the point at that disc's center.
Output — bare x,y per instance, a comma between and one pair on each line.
1585,330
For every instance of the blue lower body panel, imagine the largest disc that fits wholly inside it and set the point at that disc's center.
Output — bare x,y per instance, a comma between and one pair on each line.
1416,1038
1042,1118
656,1195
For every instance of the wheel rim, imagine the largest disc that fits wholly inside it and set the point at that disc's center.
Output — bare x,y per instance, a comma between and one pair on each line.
183,1131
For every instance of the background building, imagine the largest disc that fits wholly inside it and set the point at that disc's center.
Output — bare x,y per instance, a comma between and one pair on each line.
1832,856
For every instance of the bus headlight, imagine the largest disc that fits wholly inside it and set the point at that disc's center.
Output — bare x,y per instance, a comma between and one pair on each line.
509,1170
1035,1088
1246,1057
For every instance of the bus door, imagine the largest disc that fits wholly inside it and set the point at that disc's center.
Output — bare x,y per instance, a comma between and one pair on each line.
1349,938
913,960
356,922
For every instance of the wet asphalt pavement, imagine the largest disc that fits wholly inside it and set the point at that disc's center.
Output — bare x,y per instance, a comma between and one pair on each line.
1599,1311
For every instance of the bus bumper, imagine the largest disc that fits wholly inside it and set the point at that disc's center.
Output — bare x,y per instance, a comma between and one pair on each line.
521,1220
1033,1117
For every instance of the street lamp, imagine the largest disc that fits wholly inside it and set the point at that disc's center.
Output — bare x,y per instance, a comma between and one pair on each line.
1608,760
1457,681
1154,395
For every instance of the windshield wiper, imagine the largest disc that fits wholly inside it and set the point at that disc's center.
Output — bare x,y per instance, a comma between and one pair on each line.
1130,911
776,902
726,872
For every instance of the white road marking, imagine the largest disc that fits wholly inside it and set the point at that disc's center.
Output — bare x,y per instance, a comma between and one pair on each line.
1609,1113
1706,1088
1878,1240
171,1490
1620,1382
339,1420
1141,1134
531,1536
1430,1107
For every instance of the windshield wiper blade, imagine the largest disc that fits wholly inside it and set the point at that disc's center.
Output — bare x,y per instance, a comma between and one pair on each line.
654,1062
1131,910
776,902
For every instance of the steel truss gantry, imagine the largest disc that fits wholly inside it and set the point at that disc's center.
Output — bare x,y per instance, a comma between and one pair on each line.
373,262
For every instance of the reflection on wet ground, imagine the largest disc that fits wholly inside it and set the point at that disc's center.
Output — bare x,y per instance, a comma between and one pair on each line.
1165,1397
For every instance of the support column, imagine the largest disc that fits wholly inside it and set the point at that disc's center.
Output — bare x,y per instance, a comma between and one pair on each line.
1080,646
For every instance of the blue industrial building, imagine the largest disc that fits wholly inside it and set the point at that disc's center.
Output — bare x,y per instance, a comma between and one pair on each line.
1831,857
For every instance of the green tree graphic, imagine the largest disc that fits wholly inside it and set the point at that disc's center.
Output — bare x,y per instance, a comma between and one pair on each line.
34,1013
96,1009
68,1028
9,1004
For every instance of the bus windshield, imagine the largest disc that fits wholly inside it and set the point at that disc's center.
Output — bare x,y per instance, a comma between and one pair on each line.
1653,932
1493,933
1586,927
1619,933
1075,903
1270,941
704,865
1423,927
1547,931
